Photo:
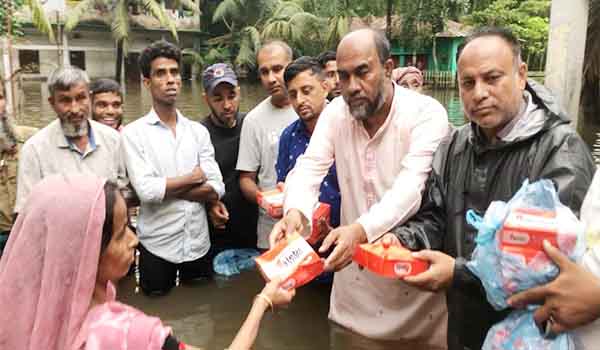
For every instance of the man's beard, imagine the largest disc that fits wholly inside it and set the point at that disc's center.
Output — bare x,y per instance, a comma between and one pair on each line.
8,139
71,130
366,110
222,121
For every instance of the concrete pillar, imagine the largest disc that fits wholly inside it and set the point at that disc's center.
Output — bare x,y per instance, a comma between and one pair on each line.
566,49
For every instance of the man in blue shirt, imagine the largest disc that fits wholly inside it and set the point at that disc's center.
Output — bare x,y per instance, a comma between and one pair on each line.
307,91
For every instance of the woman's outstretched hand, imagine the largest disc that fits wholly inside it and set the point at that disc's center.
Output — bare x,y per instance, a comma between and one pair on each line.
277,294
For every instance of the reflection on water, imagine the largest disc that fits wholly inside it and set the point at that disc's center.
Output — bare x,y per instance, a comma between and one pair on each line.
37,112
209,314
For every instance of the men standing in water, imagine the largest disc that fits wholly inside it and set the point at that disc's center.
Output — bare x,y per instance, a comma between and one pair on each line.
307,89
72,143
263,125
170,161
382,140
233,217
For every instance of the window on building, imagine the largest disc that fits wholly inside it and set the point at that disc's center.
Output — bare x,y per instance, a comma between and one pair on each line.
29,61
77,59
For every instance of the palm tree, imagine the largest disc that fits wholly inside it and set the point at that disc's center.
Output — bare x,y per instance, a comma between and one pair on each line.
38,18
251,22
118,18
248,16
339,23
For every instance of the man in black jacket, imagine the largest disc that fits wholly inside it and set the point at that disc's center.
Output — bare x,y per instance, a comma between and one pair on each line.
233,219
517,131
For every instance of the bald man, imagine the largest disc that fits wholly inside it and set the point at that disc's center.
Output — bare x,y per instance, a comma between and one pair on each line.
382,139
259,141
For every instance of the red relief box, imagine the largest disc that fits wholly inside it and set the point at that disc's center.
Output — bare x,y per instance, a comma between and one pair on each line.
525,230
293,260
322,212
388,261
272,202
528,228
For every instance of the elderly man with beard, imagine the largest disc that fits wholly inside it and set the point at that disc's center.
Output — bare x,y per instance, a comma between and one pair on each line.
382,139
233,218
72,143
259,142
12,138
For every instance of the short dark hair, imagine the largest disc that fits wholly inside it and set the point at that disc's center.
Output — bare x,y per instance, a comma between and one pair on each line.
278,43
382,45
300,65
103,85
161,48
110,198
325,57
501,32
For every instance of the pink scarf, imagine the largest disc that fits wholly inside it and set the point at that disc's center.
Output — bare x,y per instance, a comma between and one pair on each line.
48,270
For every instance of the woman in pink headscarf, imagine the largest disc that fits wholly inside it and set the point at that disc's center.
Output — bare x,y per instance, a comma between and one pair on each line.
68,246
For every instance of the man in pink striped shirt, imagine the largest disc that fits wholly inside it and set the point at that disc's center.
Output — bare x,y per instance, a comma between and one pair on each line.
382,138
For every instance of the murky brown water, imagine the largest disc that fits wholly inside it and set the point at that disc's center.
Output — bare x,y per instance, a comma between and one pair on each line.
209,314
35,110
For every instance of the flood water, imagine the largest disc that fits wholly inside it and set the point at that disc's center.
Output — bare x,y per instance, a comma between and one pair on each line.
35,110
208,314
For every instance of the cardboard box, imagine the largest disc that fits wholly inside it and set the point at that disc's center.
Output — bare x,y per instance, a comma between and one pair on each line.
272,202
322,212
293,260
525,230
388,261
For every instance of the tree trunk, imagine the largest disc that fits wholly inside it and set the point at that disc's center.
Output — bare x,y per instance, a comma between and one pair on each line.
119,63
388,19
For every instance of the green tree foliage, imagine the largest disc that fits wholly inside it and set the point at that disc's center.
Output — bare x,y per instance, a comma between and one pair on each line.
252,22
38,17
7,7
528,19
118,17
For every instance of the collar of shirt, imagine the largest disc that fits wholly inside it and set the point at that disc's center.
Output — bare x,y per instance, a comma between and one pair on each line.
65,142
301,128
152,117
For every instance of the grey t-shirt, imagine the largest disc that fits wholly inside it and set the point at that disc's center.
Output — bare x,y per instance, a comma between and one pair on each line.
259,145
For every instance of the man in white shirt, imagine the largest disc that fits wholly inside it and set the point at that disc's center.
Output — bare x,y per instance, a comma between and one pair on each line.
382,138
259,142
171,164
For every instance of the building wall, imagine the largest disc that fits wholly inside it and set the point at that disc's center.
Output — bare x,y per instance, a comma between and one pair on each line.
446,54
96,42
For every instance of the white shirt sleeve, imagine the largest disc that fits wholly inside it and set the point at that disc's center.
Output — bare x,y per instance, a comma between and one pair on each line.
149,187
303,183
208,163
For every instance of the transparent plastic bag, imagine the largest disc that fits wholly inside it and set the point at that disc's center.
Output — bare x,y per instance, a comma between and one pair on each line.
509,257
519,332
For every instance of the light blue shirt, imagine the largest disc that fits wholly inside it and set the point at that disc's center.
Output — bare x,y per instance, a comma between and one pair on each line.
173,229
